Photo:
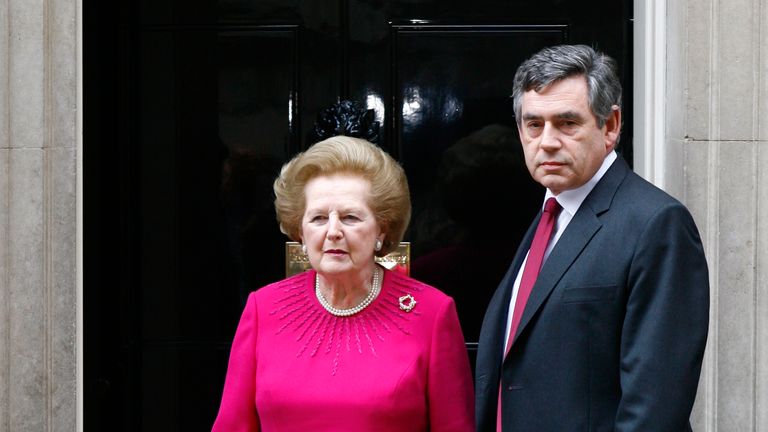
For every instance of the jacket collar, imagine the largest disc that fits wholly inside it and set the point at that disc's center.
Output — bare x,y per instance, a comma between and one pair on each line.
580,231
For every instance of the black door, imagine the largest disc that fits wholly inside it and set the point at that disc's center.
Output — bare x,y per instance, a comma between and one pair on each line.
193,105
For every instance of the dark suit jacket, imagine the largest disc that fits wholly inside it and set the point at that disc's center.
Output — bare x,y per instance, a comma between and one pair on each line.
613,334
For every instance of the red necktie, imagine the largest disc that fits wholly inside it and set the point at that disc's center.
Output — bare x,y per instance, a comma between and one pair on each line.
530,273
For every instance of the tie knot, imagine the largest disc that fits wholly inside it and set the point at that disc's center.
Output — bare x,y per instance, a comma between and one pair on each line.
552,206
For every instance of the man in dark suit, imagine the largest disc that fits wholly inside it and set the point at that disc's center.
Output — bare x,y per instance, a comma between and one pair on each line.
610,321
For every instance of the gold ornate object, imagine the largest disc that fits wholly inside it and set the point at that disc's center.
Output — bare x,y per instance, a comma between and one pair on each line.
296,261
397,260
407,302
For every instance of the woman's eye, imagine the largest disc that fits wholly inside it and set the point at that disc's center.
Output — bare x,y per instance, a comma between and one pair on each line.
318,218
351,218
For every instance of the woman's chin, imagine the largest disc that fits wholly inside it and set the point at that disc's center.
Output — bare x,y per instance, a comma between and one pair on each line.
334,269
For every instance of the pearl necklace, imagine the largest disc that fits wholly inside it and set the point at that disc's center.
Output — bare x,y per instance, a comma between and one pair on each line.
375,288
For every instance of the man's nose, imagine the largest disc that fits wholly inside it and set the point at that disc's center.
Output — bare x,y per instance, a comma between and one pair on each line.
550,137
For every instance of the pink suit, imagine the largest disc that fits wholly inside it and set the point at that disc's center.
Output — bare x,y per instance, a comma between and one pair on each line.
295,367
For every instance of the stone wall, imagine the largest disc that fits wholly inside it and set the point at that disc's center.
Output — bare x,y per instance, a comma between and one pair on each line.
717,126
38,141
716,144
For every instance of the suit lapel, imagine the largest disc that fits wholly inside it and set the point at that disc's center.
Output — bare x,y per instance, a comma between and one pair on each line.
580,231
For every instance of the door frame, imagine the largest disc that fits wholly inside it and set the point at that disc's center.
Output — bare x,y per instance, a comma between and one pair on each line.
651,155
649,89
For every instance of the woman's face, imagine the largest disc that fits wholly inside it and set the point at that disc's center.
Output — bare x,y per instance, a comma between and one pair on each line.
338,227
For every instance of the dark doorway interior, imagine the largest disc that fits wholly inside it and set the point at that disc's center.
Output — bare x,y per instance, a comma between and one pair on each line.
192,106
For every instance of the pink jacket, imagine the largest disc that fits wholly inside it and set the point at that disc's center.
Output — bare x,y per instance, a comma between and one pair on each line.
295,367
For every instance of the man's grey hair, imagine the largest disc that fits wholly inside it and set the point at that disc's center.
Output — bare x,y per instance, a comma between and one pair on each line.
564,61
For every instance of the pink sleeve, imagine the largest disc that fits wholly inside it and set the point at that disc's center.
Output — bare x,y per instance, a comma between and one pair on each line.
237,412
450,391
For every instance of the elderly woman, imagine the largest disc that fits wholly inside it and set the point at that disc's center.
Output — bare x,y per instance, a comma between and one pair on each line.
348,345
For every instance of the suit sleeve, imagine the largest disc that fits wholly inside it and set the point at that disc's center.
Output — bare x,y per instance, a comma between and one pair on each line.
665,327
450,392
237,412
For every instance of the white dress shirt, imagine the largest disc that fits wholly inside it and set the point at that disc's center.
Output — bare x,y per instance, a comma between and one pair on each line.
570,201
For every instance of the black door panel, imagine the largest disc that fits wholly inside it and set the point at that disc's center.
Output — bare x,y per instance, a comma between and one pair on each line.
191,108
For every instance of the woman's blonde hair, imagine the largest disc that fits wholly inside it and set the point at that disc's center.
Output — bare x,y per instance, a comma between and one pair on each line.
390,198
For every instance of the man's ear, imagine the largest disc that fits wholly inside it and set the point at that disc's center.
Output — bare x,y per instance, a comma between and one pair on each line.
612,129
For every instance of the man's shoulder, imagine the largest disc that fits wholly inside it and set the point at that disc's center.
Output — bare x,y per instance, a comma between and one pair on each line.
641,192
638,201
626,191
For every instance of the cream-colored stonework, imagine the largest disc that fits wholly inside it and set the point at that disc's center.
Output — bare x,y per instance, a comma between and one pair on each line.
38,291
761,288
26,291
715,148
718,99
4,297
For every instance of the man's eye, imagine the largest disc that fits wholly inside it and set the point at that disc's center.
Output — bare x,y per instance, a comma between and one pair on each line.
569,126
534,126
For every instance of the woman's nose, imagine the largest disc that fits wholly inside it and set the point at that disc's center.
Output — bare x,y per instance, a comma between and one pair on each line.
334,228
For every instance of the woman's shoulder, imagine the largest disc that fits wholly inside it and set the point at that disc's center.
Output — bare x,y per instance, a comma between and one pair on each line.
407,284
425,306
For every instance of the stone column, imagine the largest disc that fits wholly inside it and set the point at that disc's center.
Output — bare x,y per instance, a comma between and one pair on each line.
717,132
38,153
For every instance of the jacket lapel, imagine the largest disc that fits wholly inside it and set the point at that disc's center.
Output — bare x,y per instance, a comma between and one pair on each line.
580,231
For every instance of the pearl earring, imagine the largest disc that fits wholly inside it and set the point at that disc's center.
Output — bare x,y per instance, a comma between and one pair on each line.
304,249
377,246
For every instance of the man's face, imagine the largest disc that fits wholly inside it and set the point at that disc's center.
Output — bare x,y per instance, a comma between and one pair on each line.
562,143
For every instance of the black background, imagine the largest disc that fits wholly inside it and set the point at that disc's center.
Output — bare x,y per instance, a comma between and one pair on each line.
191,106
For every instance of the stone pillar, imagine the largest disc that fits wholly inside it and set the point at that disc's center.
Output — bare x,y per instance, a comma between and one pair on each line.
717,134
38,220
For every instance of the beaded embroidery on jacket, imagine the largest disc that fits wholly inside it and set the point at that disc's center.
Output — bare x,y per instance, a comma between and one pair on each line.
319,333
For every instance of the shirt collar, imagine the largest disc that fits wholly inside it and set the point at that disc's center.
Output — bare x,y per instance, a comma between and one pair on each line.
570,200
